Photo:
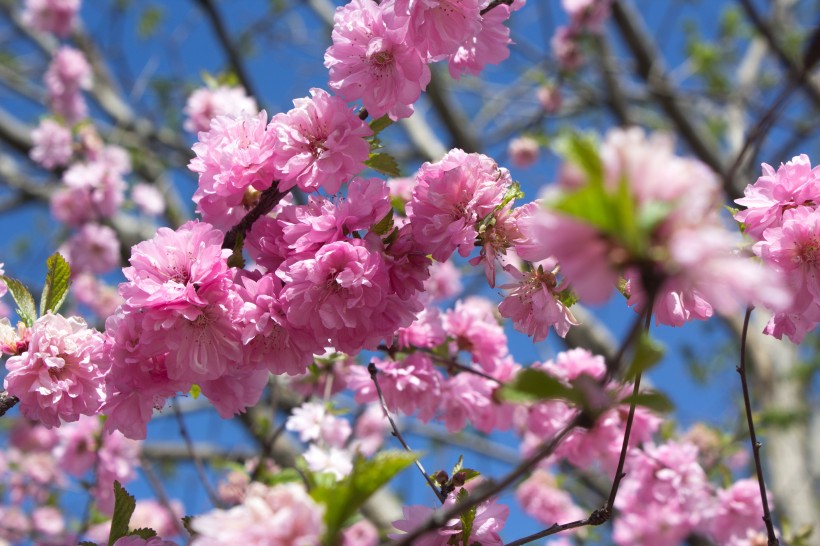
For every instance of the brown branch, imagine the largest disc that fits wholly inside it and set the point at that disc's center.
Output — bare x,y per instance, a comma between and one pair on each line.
650,67
234,59
269,198
7,402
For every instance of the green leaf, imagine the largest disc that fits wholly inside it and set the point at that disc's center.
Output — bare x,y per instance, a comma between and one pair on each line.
582,151
22,297
531,385
342,499
385,225
653,400
383,163
467,519
648,353
143,533
458,466
195,391
379,125
58,278
237,259
286,475
124,505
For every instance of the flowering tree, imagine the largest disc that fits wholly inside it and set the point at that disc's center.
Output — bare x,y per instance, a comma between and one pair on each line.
313,295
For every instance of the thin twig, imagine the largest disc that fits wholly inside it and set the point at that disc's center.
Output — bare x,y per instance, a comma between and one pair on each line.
488,489
162,495
593,519
494,4
374,376
198,465
741,369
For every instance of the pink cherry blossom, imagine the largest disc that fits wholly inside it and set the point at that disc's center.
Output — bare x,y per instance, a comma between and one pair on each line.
319,144
490,45
361,533
283,515
59,376
540,497
370,62
523,151
148,199
474,327
57,16
794,184
451,197
51,144
437,27
204,104
738,510
67,75
534,306
370,430
489,519
93,249
342,297
408,385
233,157
444,282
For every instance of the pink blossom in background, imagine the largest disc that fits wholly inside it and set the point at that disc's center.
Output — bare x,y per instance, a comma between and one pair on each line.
550,98
204,104
368,61
794,184
319,144
59,376
451,197
92,190
370,430
444,282
565,48
361,533
49,523
668,482
534,306
100,298
16,525
93,249
408,385
426,331
283,515
401,188
540,497
68,74
523,151
233,157
587,14
314,422
475,329
437,27
152,514
51,144
331,460
490,45
737,511
57,16
148,199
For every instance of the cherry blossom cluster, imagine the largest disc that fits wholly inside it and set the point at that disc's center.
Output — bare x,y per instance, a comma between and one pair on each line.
782,217
380,51
41,462
206,103
54,16
680,247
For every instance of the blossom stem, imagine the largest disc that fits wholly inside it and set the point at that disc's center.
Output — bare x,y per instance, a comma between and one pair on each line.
374,372
7,402
494,4
741,369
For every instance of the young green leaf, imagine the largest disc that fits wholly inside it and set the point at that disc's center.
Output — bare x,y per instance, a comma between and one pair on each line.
383,163
342,499
380,124
22,297
124,505
58,278
531,385
143,533
467,519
